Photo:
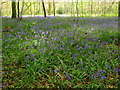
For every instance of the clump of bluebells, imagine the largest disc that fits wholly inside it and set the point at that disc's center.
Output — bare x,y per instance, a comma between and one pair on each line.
99,73
39,44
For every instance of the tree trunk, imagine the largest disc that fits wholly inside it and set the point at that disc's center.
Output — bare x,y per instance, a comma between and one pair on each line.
54,8
77,8
18,10
13,9
72,8
119,10
91,9
49,8
82,8
44,8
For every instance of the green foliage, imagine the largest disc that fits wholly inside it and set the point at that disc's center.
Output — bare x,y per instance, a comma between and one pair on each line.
60,53
60,11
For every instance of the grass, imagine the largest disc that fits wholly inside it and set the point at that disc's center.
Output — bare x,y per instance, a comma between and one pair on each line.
60,53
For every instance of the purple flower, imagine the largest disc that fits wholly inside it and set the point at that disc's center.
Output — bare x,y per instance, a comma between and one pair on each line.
74,56
55,47
73,85
68,76
99,73
60,48
108,67
104,42
80,48
56,70
32,55
3,85
27,65
90,72
41,68
8,77
35,59
115,51
116,69
27,57
103,77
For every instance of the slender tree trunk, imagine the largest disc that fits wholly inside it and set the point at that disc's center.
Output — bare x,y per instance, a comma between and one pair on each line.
82,8
39,8
91,8
54,8
18,10
21,13
119,10
13,9
34,9
77,8
44,8
72,8
49,8
1,9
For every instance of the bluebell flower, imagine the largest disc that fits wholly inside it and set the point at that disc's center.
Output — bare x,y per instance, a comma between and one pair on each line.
27,65
3,85
27,57
35,59
103,77
68,76
74,56
99,73
116,51
32,55
56,70
116,69
73,85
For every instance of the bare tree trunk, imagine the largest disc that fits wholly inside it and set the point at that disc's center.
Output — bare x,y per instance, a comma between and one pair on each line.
44,8
72,8
13,9
54,8
18,10
34,8
39,8
91,8
21,13
77,8
1,8
119,10
82,8
49,8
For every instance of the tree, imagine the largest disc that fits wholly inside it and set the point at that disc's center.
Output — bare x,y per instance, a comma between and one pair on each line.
77,8
82,8
54,7
49,8
44,8
72,8
91,7
18,10
119,10
14,9
21,13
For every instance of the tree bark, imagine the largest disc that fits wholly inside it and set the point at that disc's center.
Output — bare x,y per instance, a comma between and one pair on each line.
49,8
18,10
44,8
54,7
91,8
119,9
13,9
77,8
